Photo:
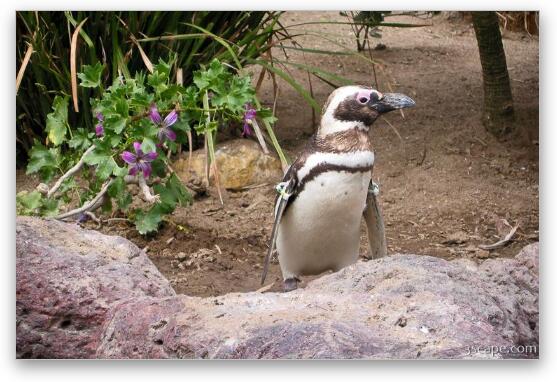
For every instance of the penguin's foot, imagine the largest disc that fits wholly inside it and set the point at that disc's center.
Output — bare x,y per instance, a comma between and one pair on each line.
290,284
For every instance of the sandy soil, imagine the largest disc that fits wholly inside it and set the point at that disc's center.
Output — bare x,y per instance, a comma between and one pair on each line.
445,183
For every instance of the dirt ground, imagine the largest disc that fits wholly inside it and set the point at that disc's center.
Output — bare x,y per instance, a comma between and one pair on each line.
445,183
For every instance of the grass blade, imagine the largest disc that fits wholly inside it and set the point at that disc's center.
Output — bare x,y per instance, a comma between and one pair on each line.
82,33
259,136
317,51
185,36
320,72
291,81
222,42
144,57
73,69
382,24
23,66
283,159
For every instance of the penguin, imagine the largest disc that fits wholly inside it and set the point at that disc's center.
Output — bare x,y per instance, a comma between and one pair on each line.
328,188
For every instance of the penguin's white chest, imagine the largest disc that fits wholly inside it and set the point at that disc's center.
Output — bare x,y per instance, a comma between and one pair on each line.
321,229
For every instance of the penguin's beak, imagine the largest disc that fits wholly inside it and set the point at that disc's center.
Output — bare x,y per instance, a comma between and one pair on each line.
393,101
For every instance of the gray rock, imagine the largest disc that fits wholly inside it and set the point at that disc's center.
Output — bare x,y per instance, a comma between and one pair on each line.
67,280
398,307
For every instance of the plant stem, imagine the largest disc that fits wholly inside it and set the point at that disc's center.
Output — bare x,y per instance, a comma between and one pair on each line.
150,198
89,206
69,173
210,145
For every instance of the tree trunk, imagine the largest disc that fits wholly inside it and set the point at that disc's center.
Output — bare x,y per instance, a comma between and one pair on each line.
498,114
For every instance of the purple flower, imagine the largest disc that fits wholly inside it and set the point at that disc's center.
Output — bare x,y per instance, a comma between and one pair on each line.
165,132
82,218
139,161
99,129
249,115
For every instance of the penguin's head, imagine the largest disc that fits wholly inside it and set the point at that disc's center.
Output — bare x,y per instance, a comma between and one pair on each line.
351,107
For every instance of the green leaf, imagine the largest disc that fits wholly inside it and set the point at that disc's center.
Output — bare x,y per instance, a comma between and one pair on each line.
190,96
81,139
50,207
115,140
122,108
106,168
44,161
148,145
271,119
173,192
159,78
96,156
141,100
124,200
115,123
27,203
172,91
57,121
106,165
207,79
238,93
148,129
162,67
117,190
120,171
149,221
159,167
181,125
91,75
67,185
33,203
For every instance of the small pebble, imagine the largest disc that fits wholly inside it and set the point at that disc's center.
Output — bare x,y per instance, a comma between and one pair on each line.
482,254
181,256
424,329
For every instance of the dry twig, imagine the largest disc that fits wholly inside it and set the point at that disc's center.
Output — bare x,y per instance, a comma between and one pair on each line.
92,205
69,173
265,288
501,242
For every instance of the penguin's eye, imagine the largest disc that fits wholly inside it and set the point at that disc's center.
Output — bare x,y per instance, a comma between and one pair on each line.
363,100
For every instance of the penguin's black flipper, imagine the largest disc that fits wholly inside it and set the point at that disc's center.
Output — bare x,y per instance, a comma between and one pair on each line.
285,189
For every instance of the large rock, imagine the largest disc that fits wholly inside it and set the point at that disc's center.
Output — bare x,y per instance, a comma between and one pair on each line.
241,163
67,280
401,306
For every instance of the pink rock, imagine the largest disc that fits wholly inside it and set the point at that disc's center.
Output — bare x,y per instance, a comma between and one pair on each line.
81,294
67,280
